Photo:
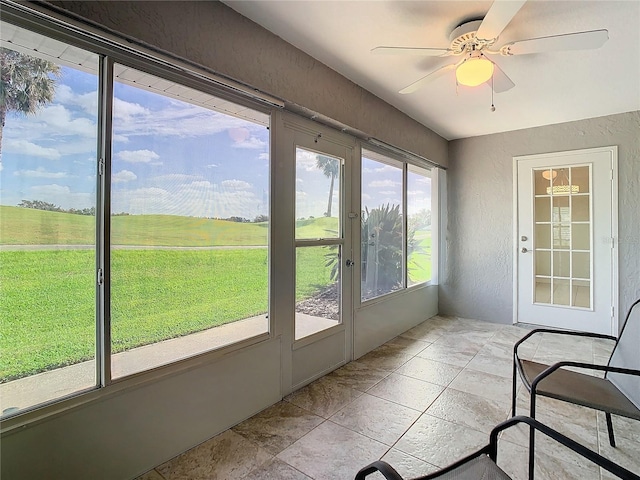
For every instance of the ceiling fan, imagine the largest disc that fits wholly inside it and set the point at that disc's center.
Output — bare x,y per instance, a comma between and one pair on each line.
474,40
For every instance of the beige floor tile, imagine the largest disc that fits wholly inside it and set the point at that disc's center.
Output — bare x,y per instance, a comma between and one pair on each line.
429,371
492,359
324,397
376,418
277,427
408,391
407,465
358,375
484,385
385,357
469,410
332,452
626,453
410,346
623,427
225,456
440,442
276,470
445,353
150,475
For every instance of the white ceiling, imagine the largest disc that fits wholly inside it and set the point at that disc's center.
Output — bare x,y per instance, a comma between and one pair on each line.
550,88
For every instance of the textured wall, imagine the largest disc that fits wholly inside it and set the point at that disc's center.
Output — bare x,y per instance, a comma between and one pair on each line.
478,279
215,36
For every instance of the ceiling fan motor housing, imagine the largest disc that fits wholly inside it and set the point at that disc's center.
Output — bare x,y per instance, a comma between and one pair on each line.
463,38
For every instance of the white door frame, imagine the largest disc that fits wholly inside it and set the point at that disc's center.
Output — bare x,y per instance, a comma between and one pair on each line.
614,226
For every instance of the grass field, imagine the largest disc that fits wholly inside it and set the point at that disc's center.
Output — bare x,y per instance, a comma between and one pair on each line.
47,313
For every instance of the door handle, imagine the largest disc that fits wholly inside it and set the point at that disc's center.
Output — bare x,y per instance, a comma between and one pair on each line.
349,263
524,250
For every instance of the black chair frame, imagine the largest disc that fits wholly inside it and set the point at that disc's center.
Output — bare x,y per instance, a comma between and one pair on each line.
491,450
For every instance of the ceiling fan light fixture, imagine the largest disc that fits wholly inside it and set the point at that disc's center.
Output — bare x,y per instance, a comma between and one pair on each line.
474,71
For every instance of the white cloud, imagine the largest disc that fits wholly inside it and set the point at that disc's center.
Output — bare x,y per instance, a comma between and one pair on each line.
87,101
251,142
137,156
62,195
235,185
198,199
40,172
264,156
387,192
299,180
383,183
212,165
176,177
123,176
25,147
126,110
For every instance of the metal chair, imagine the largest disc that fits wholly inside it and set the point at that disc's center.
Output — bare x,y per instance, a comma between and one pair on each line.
482,464
617,392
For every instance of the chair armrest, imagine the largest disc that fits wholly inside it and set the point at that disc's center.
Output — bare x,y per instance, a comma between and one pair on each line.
567,442
379,466
559,332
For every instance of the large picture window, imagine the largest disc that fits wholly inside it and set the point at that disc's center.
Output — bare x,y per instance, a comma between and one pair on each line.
189,224
396,225
188,203
47,217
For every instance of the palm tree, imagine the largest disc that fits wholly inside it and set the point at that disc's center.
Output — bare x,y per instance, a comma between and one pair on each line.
26,83
330,167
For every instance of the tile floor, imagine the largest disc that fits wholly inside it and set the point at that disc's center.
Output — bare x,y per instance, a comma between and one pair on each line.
421,401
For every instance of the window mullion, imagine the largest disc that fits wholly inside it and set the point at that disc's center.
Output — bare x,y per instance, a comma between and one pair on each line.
103,223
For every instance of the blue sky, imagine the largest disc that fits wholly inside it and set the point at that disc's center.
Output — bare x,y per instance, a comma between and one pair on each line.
169,157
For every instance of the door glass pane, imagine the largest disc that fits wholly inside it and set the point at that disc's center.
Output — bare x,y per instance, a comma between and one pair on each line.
382,227
581,265
543,209
543,236
317,195
580,179
317,289
47,221
189,226
580,208
419,226
580,236
543,263
563,241
561,291
542,293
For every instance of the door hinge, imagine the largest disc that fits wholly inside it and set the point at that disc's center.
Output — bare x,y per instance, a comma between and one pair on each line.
613,311
611,174
100,277
101,167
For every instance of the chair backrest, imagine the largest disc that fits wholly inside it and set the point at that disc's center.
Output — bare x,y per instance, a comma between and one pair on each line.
626,354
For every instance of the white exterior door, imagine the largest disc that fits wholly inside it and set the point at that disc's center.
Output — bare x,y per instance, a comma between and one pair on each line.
566,255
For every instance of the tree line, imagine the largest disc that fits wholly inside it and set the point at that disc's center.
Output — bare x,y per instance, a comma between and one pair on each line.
50,207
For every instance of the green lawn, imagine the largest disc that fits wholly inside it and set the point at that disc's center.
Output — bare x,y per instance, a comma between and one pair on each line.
47,312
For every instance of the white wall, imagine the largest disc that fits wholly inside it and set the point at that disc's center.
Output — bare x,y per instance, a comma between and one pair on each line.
478,281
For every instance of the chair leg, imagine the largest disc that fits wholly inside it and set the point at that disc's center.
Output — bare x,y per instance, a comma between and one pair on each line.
612,440
532,436
513,391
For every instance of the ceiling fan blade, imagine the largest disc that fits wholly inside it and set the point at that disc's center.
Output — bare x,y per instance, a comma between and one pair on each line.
417,85
501,81
428,52
570,41
498,17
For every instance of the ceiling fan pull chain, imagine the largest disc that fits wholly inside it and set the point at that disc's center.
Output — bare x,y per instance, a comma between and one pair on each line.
493,107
